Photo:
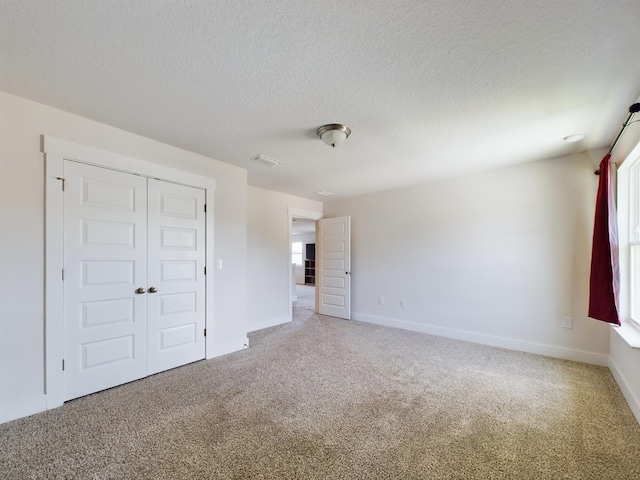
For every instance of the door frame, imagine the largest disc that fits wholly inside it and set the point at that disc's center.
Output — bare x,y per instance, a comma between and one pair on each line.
297,213
55,152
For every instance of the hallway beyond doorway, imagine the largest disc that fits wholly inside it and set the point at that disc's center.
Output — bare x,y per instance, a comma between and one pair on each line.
306,299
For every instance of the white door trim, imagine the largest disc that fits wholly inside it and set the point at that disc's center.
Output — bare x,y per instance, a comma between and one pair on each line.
298,213
56,150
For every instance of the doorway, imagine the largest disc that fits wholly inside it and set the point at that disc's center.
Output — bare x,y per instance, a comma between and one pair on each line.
331,270
302,243
303,260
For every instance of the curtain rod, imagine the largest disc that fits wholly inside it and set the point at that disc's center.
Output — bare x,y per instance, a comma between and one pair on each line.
633,109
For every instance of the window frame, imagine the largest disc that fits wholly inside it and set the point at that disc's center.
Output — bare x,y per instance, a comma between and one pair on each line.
628,200
293,253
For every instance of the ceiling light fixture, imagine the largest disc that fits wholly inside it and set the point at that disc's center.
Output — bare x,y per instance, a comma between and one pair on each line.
576,137
333,134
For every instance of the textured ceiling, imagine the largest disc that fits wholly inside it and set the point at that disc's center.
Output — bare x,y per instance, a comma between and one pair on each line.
431,89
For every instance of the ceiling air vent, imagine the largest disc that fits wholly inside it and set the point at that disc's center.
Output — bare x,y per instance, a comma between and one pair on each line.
268,161
324,193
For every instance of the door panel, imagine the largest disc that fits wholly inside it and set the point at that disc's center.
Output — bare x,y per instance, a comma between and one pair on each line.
176,269
105,250
334,286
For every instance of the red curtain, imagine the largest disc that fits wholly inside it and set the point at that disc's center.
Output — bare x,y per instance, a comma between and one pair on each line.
604,283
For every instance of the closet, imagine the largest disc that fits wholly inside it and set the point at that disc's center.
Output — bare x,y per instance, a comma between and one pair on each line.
134,278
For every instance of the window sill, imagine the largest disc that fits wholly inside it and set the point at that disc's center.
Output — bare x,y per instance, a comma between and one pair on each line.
629,334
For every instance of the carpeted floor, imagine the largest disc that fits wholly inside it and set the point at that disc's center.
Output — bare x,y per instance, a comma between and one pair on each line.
323,398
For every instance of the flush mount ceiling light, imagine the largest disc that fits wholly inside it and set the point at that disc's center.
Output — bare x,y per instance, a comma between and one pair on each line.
334,133
576,137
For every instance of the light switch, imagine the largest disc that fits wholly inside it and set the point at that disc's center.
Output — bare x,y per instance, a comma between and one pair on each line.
219,264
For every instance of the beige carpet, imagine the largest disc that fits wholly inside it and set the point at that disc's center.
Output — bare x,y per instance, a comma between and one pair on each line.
324,398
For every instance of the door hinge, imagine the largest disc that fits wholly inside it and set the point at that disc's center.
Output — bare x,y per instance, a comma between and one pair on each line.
63,364
62,179
63,274
205,332
205,270
205,208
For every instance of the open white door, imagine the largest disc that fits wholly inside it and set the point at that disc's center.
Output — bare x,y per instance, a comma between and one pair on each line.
333,270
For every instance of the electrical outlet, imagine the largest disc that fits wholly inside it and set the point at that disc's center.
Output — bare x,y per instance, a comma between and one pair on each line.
403,303
567,322
380,300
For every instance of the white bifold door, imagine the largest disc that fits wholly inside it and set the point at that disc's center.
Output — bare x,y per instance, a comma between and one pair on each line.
134,256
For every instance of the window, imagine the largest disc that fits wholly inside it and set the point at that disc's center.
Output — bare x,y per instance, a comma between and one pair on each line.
296,253
629,237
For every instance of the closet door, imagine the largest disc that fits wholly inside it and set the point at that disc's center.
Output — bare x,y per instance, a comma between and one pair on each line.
105,263
176,292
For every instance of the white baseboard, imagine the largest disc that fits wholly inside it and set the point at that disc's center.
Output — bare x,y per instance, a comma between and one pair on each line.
38,403
218,349
495,341
632,400
22,407
272,322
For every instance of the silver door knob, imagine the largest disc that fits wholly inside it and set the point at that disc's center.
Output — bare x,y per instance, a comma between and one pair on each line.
141,290
153,289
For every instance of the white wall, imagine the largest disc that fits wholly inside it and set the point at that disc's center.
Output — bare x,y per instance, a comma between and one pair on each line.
623,363
299,274
22,123
498,257
269,259
305,238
